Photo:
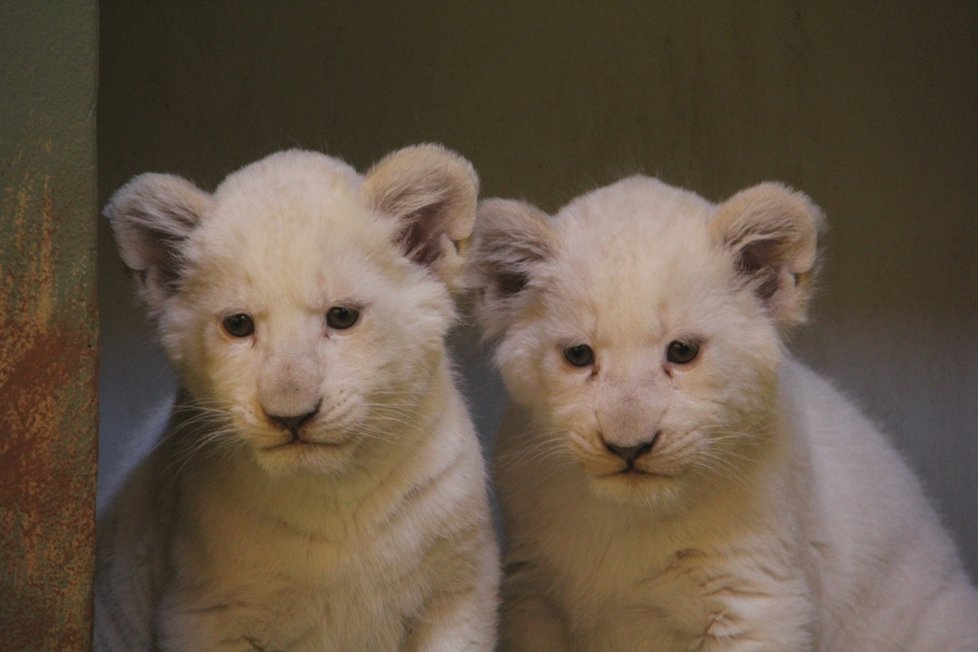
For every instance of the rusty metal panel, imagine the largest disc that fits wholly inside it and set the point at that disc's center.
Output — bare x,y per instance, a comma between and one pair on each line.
48,324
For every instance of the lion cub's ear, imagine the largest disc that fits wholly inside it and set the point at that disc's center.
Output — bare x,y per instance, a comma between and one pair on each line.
152,216
432,192
512,238
773,233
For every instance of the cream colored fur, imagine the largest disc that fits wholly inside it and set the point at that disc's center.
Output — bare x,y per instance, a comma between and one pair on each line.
765,513
364,527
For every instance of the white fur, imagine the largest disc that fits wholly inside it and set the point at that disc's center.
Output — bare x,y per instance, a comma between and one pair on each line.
366,529
772,516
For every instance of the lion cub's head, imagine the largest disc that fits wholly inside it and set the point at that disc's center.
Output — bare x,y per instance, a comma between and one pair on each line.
303,306
641,326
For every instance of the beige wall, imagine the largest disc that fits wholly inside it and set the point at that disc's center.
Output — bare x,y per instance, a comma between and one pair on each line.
870,109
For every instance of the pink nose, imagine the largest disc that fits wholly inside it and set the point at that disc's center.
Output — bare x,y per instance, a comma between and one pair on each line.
632,453
295,422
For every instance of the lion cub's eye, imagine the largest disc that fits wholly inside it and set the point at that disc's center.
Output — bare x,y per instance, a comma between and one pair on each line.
579,355
239,325
682,352
341,317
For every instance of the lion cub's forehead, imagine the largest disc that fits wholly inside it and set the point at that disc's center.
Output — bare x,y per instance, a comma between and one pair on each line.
637,210
639,252
294,219
293,192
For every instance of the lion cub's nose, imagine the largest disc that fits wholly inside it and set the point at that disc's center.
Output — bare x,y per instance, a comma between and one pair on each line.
632,453
293,423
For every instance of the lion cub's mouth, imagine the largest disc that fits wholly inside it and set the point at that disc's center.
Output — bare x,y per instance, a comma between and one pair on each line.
631,472
635,474
298,442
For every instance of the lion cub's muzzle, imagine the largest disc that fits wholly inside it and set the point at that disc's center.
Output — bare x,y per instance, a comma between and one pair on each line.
289,390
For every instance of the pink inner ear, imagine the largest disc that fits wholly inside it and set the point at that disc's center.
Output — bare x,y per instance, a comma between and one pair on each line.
760,259
510,283
421,235
758,255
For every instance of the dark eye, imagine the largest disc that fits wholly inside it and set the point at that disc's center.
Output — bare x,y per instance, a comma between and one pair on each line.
580,355
239,325
682,352
341,317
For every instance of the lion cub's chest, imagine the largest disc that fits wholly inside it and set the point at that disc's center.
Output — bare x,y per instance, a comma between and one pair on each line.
298,590
642,594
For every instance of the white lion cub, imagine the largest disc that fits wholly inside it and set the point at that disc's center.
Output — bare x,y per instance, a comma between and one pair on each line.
320,486
671,480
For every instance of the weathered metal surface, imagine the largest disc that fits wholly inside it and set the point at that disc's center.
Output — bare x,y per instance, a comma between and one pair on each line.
48,325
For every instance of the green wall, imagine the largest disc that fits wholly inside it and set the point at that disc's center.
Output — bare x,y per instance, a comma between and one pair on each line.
869,107
48,323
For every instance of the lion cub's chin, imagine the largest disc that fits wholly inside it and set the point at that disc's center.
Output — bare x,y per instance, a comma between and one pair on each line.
307,457
632,487
646,489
